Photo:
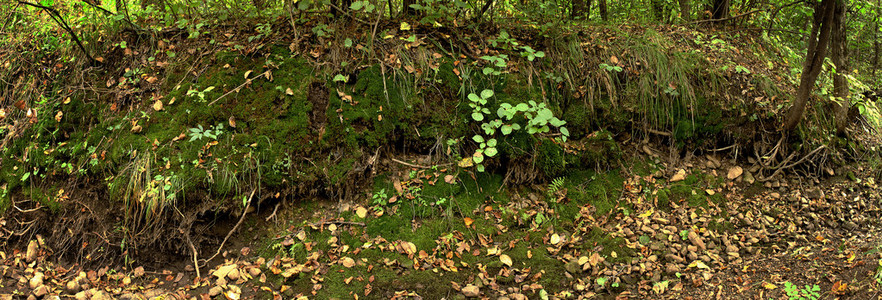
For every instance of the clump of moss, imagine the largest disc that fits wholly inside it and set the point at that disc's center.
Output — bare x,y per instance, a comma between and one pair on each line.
550,159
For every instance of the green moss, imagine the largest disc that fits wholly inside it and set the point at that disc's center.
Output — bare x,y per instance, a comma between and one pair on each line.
601,190
550,159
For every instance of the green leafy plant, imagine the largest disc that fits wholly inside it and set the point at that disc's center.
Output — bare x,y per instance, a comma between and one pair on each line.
556,185
531,54
806,293
503,40
498,64
199,94
379,200
362,5
539,119
198,133
610,68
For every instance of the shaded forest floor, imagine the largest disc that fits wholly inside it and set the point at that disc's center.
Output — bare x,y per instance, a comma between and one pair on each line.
648,197
716,238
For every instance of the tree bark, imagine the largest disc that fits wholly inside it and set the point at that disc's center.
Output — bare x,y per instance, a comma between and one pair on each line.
484,9
581,9
604,14
839,56
876,44
406,9
814,60
720,10
659,9
685,10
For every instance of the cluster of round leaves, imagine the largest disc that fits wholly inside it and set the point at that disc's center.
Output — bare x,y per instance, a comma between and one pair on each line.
539,119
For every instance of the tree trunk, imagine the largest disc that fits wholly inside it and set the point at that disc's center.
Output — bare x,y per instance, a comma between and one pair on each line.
406,9
876,44
685,10
839,56
580,10
342,7
659,11
604,14
483,10
814,60
720,10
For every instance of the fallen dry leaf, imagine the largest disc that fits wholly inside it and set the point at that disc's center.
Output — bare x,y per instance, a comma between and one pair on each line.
505,259
361,212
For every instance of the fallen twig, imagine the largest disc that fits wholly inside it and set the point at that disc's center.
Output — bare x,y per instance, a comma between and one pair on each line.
274,211
242,218
419,166
238,88
323,223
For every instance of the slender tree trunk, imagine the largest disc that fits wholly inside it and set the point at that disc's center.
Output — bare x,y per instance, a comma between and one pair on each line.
604,14
406,9
343,6
720,10
659,9
685,10
814,60
580,9
839,56
483,10
876,44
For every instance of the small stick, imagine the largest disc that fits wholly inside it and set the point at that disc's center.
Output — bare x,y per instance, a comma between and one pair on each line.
323,223
238,88
242,218
418,166
274,211
195,255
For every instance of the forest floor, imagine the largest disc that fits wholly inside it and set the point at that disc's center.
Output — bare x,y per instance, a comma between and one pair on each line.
608,217
797,237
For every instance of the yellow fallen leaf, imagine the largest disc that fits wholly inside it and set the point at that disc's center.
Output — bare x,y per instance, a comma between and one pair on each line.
468,221
505,259
157,106
769,286
555,239
404,26
289,91
347,262
645,214
58,116
466,162
361,212
66,101
224,270
699,264
247,73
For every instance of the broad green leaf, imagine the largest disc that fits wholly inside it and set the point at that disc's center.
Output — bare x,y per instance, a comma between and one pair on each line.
486,94
491,143
478,157
478,138
564,131
478,116
490,151
506,129
474,98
